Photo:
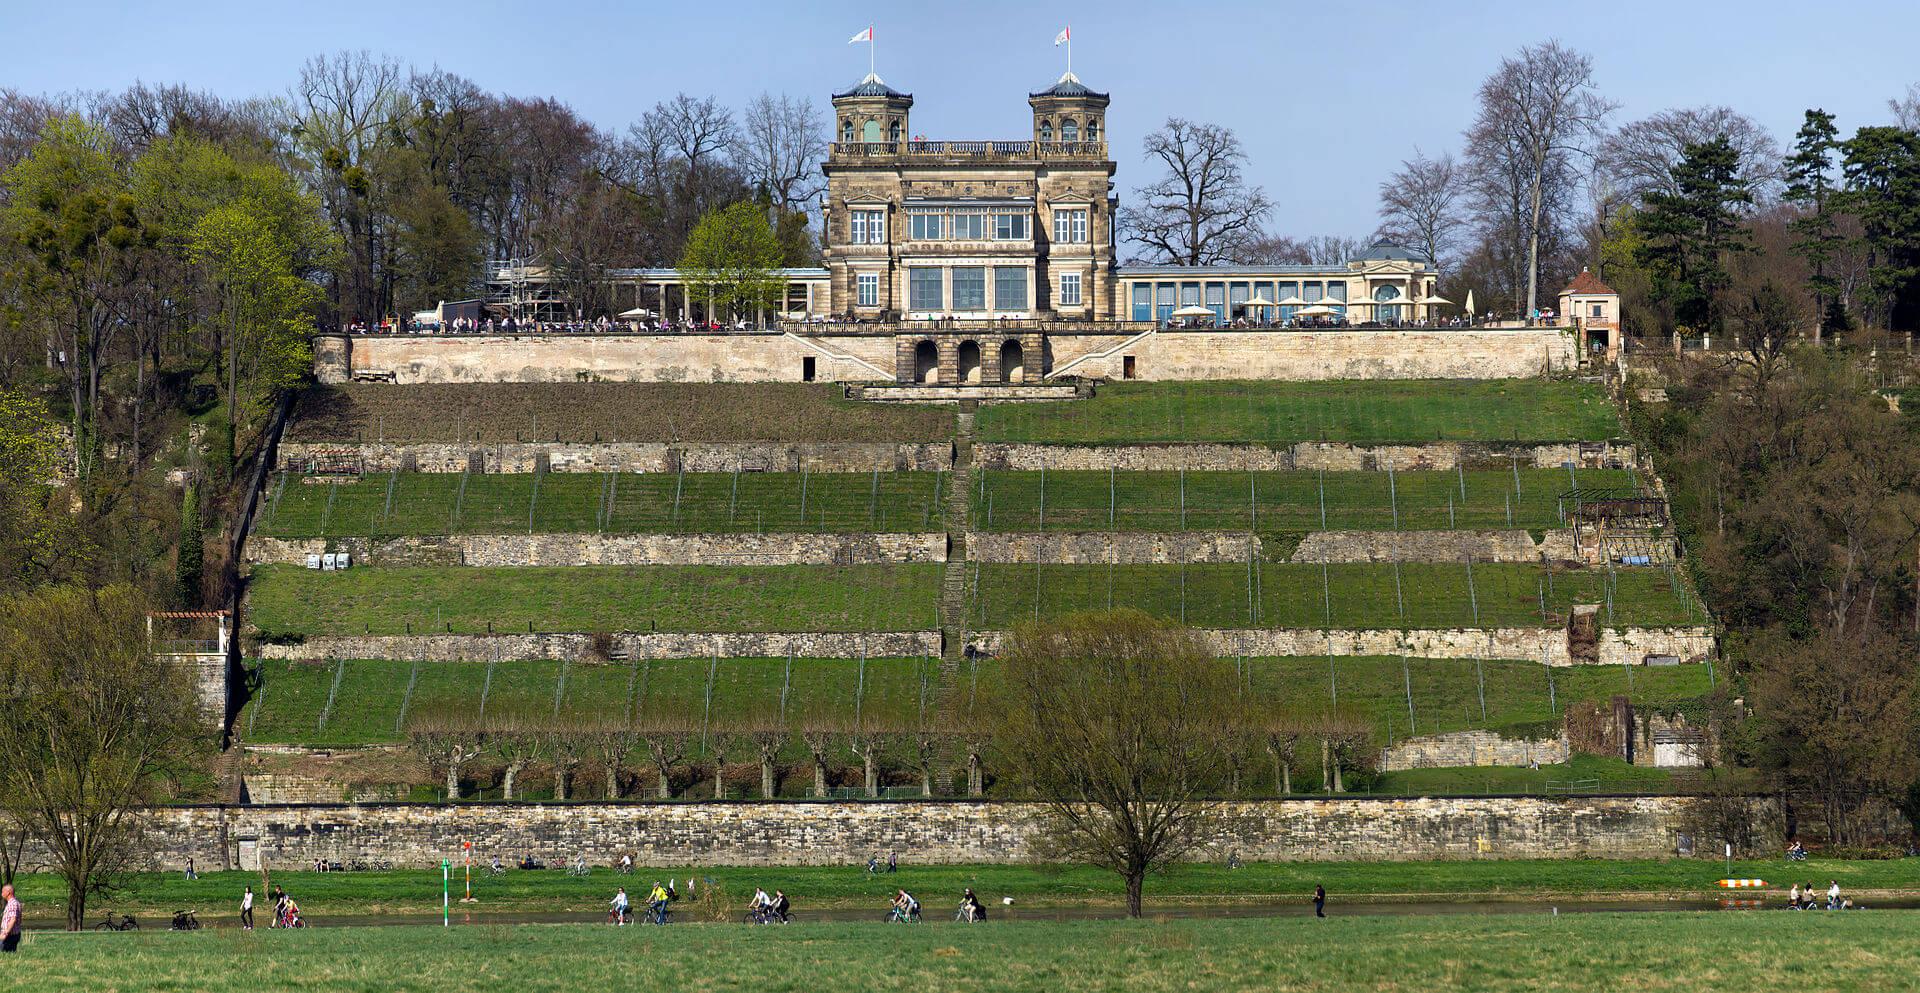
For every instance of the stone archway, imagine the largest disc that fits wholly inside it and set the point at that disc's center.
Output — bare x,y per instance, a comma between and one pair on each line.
1013,365
926,362
968,370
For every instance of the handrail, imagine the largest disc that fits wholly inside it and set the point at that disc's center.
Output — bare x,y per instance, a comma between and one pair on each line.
1100,355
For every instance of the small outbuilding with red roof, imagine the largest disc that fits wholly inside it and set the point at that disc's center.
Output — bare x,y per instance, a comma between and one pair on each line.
1594,309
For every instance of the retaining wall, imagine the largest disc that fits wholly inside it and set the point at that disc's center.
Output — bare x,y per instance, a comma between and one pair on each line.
1333,457
631,456
732,549
1617,646
1463,748
627,644
1481,353
1434,546
680,835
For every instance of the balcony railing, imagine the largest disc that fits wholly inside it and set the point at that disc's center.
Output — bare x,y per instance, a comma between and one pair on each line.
965,150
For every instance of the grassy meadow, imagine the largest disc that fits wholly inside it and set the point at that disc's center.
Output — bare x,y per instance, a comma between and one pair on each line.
1711,951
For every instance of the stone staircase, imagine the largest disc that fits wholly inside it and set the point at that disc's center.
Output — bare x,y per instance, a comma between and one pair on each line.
957,518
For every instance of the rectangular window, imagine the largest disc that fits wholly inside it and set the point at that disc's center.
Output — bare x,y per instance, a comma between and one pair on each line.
1070,226
923,288
1069,289
924,227
869,284
858,234
1143,301
1010,288
969,286
1010,227
1597,314
869,227
969,227
1217,300
1163,303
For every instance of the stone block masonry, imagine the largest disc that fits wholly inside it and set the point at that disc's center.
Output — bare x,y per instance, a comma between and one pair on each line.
626,645
1617,646
1481,353
1303,456
685,835
732,549
1471,748
627,456
1434,546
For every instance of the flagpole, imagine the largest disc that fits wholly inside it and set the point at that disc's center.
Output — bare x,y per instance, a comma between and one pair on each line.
1069,48
870,71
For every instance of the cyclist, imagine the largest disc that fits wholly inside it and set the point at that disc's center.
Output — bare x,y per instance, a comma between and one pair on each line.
970,909
620,906
905,907
658,901
779,907
757,909
626,864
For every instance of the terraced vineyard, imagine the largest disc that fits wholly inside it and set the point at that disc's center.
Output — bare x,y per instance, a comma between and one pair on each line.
370,697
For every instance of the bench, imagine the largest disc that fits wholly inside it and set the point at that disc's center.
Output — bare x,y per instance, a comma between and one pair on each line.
375,376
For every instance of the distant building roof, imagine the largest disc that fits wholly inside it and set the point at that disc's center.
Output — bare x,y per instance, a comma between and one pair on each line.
1588,283
871,86
1388,250
1068,86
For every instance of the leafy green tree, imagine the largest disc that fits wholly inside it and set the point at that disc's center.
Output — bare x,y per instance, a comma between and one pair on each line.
69,220
1121,726
732,258
94,726
1689,234
1809,176
31,537
1882,168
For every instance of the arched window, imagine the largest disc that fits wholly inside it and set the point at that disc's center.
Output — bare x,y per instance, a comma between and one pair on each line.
1046,130
893,131
846,129
871,131
1069,131
1093,129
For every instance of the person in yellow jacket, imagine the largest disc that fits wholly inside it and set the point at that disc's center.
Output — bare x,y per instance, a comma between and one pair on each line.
658,901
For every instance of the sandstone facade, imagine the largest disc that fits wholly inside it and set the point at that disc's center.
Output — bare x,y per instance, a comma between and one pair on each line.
1471,748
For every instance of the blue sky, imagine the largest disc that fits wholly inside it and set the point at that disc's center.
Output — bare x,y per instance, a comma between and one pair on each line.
1392,75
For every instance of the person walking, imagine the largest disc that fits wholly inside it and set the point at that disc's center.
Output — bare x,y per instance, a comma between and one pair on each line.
190,873
1319,901
10,920
1833,894
246,910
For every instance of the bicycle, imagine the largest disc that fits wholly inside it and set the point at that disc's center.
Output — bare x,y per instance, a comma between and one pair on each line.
660,915
873,865
909,916
184,921
579,868
966,914
125,923
623,915
496,870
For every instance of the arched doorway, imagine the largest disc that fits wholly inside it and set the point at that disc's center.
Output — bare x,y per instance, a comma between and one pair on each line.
969,362
926,363
1388,297
1013,366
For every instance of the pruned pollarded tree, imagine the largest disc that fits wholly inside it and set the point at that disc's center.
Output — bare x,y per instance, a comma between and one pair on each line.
667,733
868,737
766,732
1282,727
1536,110
818,731
1420,205
92,726
1117,724
562,744
609,738
1343,732
1202,209
513,735
449,738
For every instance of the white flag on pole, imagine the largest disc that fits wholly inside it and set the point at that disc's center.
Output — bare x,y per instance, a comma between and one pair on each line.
1065,35
866,35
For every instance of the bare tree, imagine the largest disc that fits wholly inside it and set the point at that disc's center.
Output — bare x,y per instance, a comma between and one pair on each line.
779,147
1262,248
1202,209
1420,204
449,739
766,733
513,736
1535,110
818,732
1906,110
1118,725
611,740
1640,156
667,735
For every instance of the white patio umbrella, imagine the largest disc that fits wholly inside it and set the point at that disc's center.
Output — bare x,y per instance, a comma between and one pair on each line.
1293,301
1258,300
1193,311
1316,310
636,312
1433,300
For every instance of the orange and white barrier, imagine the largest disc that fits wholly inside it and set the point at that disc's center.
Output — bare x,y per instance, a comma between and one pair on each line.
1738,884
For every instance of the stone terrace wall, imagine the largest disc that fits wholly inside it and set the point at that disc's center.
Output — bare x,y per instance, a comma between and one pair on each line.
1433,546
1486,353
1330,456
1463,748
626,644
633,456
612,549
1156,547
628,358
673,835
1618,646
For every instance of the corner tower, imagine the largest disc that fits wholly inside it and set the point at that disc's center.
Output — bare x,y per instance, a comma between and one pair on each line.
1068,113
871,112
